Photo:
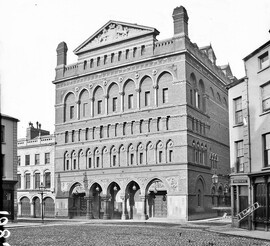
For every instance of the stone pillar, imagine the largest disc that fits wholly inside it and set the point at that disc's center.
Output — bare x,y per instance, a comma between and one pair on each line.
124,207
106,97
32,209
144,214
78,109
155,87
92,106
138,97
89,209
106,215
19,209
122,101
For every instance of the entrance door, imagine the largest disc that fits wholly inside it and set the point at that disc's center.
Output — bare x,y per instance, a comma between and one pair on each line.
37,207
158,204
49,209
25,207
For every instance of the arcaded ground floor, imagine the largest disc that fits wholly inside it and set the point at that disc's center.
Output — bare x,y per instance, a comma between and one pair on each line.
163,195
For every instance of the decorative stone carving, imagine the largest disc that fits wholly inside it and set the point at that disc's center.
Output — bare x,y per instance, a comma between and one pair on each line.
173,183
105,82
137,75
76,89
120,79
90,85
64,186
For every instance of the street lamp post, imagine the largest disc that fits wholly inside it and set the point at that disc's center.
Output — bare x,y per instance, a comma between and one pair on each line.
42,189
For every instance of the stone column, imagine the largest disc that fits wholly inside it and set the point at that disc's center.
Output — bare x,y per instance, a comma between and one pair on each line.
89,209
106,215
32,209
106,97
144,214
138,97
155,87
19,209
78,109
122,101
92,106
124,208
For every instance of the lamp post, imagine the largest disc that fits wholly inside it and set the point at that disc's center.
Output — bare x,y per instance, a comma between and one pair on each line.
42,189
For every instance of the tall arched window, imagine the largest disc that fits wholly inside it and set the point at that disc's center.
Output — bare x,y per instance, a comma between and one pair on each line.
66,161
66,137
146,92
89,159
84,104
97,158
160,152
129,95
169,151
164,87
114,157
131,155
70,107
140,152
114,99
98,101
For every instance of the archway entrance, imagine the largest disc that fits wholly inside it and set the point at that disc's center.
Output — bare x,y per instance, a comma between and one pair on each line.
49,208
115,203
157,200
98,205
37,207
133,201
77,203
25,207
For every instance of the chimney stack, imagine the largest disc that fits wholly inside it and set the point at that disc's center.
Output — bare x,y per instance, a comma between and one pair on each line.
180,21
62,53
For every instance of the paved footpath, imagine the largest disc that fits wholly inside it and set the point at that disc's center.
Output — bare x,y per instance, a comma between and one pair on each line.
218,225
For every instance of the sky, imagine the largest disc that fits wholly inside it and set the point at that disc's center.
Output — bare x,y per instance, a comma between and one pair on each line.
30,31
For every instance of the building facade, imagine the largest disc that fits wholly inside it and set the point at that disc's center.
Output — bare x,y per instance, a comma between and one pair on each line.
249,108
141,126
9,165
36,173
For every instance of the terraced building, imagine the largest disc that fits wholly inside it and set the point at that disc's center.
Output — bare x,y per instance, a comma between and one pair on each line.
141,125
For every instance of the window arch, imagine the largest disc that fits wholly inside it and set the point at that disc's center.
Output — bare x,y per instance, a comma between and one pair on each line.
113,99
169,151
192,94
66,161
73,160
114,157
131,155
89,159
200,191
69,107
201,96
84,104
66,136
129,95
97,158
164,82
150,153
146,92
141,155
98,96
160,152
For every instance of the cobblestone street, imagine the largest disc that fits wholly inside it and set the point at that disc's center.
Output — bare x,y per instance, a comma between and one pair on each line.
85,233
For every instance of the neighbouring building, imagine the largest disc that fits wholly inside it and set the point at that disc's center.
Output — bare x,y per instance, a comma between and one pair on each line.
141,126
9,165
249,110
36,173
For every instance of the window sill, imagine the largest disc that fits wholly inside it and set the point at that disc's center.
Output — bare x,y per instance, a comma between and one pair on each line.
266,168
265,112
261,70
239,124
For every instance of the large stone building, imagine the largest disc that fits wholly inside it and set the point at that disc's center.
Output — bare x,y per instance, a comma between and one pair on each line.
141,125
9,165
36,173
249,108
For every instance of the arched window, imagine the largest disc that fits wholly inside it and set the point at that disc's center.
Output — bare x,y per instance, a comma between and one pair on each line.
98,61
84,65
108,130
127,54
146,95
66,161
131,155
105,59
79,134
193,96
115,129
84,104
69,107
74,160
143,50
98,101
97,158
164,84
119,55
66,137
169,151
73,136
112,57
114,98
134,52
89,159
101,132
168,122
160,152
140,152
114,157
86,133
129,97
124,128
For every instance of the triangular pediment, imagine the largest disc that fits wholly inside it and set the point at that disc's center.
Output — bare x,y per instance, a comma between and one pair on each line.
114,31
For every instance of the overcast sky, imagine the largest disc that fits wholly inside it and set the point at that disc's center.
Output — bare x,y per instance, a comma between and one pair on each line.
30,31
